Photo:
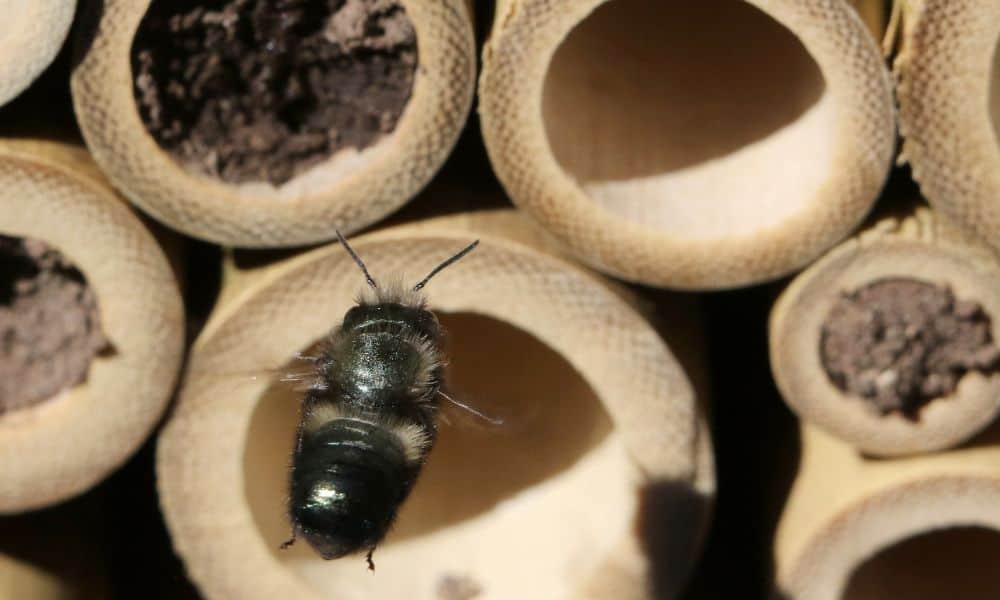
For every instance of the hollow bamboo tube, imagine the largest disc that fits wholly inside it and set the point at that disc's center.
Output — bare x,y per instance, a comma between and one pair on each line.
603,453
698,145
63,446
847,514
947,74
918,246
350,190
31,34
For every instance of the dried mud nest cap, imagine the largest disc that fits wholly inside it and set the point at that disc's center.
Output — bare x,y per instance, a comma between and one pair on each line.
890,341
736,168
52,448
948,73
31,34
631,451
260,124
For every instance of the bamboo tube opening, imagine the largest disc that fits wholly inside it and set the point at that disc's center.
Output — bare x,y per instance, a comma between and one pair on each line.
473,469
889,341
59,447
49,322
651,110
694,145
256,126
258,93
957,562
31,34
858,528
584,437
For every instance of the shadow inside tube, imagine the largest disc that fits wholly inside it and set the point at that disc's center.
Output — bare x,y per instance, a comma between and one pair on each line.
553,420
643,88
958,562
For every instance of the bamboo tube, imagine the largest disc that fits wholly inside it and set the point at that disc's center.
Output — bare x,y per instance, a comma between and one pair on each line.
947,74
64,445
31,34
851,521
916,247
699,145
604,451
349,190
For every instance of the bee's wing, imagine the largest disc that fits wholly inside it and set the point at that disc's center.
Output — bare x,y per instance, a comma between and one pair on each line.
298,375
492,415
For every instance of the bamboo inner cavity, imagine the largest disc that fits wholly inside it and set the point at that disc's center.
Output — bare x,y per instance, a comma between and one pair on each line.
703,119
479,481
958,562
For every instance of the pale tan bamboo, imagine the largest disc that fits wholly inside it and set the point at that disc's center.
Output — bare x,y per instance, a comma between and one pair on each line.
844,509
918,246
947,74
559,502
691,145
350,190
63,446
31,34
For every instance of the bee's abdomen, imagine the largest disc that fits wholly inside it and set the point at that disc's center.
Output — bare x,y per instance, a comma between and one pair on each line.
348,478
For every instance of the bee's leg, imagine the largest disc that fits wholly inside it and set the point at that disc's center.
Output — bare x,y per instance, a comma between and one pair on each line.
371,563
288,543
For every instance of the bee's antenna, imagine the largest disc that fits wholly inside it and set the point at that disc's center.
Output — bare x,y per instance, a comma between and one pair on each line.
357,259
444,265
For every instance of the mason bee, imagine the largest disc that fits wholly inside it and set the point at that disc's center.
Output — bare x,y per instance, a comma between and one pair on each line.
368,417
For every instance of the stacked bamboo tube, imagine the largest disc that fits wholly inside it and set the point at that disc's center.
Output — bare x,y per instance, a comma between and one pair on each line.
631,450
947,69
30,37
847,515
917,246
62,446
922,524
691,145
350,190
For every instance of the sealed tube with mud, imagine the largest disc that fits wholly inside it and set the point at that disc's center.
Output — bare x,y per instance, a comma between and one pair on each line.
857,528
597,484
31,34
890,340
92,323
261,124
948,87
696,145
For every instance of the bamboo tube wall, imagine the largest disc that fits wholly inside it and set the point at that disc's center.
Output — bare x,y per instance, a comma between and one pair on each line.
350,190
61,447
31,34
913,247
631,451
690,145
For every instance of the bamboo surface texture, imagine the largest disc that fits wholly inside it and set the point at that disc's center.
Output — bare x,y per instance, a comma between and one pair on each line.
701,145
845,509
604,447
946,67
31,34
917,246
350,190
65,445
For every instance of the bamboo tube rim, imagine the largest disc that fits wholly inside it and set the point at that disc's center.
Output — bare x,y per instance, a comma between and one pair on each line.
349,190
31,36
515,65
847,508
665,440
63,446
796,327
949,135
